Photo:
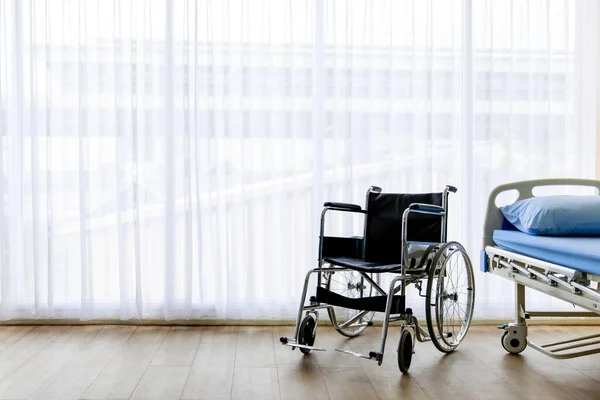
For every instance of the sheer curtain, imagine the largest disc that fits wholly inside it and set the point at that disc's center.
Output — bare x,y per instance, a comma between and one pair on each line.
535,80
168,159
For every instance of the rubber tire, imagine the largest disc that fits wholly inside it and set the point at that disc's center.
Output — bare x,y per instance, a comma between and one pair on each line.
405,351
430,290
502,339
428,299
307,333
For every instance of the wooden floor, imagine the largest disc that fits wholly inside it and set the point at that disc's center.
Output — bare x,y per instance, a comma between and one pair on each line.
121,362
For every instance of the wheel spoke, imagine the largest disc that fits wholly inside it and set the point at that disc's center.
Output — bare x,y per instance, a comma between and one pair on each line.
461,272
462,309
458,277
448,318
340,283
352,285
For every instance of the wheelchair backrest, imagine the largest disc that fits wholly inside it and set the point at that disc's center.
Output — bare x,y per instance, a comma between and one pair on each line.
383,233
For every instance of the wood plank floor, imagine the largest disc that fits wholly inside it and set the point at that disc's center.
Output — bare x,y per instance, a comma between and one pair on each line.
123,362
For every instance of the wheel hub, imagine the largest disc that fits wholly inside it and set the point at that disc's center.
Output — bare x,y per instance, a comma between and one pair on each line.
450,296
356,286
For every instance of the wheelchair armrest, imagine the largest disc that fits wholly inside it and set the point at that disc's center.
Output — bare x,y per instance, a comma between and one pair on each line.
429,208
343,206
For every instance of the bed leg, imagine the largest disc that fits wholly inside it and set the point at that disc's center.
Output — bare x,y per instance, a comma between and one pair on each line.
520,304
514,339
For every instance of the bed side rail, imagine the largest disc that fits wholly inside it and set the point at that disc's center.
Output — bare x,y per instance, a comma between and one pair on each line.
494,218
527,262
554,280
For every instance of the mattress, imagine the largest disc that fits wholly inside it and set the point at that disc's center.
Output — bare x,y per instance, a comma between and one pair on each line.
579,253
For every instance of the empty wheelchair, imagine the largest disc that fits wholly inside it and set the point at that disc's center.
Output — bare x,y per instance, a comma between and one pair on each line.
404,235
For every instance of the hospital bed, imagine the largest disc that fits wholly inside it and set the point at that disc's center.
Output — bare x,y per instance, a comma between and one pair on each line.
567,268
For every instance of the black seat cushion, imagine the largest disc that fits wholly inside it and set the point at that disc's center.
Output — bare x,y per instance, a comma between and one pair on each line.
362,265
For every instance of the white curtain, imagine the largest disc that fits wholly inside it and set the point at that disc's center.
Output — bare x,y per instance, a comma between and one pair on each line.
169,159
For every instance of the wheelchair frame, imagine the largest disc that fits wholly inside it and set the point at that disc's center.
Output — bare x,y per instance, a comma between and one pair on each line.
398,284
564,283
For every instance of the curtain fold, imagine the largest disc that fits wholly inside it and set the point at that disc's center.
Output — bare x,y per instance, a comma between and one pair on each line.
169,158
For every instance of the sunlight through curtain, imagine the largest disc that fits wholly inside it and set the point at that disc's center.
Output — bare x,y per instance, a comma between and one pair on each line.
168,159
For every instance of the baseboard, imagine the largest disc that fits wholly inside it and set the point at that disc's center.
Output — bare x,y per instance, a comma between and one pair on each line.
276,322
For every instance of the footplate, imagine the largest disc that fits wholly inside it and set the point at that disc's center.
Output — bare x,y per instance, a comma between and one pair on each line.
303,346
355,354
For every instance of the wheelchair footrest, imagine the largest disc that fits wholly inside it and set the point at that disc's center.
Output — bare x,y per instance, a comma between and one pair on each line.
371,303
303,346
355,354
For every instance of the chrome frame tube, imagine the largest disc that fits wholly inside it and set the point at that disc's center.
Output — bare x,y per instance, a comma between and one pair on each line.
302,300
333,269
374,284
445,217
421,334
352,320
404,248
386,319
322,234
319,307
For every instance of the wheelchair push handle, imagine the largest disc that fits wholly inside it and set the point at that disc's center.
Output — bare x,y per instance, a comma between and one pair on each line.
452,189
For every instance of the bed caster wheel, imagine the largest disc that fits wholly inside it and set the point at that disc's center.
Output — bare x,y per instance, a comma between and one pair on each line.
405,351
514,339
307,332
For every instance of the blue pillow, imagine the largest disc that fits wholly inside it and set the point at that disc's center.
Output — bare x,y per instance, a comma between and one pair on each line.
556,215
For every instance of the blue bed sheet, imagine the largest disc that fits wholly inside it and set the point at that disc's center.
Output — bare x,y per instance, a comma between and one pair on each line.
580,253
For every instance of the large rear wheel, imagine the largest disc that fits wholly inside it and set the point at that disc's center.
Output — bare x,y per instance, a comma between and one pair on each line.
350,284
450,296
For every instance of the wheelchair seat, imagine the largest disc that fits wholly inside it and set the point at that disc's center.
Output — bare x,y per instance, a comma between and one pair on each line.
362,265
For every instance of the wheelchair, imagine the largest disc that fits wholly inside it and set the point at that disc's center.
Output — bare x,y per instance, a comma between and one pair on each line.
404,235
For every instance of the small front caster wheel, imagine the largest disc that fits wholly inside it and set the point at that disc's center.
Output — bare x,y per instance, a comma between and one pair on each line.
307,333
513,342
405,351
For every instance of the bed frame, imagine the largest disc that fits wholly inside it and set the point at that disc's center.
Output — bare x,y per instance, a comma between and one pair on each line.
564,283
